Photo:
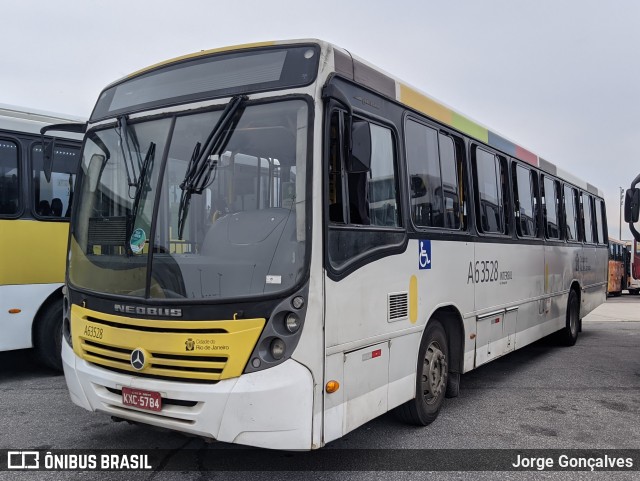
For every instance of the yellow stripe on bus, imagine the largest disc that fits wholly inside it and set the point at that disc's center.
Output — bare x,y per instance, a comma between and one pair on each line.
201,54
413,299
33,251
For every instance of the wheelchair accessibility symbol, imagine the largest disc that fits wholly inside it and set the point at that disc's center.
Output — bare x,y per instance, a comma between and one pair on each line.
424,250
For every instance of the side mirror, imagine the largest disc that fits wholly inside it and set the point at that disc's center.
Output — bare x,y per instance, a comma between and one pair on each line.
49,149
632,205
360,158
47,157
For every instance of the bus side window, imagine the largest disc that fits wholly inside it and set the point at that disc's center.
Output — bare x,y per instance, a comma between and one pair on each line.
370,192
53,199
525,193
602,238
596,221
551,204
336,171
490,182
436,177
362,192
588,219
571,214
452,181
9,178
381,182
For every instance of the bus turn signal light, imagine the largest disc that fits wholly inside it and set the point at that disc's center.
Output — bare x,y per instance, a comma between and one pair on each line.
15,311
332,386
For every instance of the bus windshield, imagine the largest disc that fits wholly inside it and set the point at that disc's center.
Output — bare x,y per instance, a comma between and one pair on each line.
243,234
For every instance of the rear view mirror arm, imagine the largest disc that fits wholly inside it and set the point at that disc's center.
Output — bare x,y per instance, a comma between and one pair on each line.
47,150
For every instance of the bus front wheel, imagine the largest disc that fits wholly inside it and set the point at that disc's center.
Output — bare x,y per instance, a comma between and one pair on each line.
47,336
431,378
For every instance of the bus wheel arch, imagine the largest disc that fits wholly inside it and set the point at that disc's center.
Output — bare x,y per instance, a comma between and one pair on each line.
451,321
46,333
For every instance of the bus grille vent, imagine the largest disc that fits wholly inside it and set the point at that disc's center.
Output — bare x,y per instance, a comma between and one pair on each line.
107,231
398,303
170,367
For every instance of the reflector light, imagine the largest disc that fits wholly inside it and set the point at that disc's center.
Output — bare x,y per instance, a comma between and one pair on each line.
15,311
332,386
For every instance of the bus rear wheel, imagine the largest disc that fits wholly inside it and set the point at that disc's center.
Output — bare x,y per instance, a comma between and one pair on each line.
47,337
431,378
569,334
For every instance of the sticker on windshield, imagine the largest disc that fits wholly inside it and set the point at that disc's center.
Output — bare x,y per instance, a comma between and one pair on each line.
274,280
137,240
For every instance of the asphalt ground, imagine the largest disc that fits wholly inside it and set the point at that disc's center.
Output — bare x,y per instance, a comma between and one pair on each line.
540,397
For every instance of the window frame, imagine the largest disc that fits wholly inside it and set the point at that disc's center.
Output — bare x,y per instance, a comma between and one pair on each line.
376,252
556,184
578,218
599,203
535,176
460,160
31,180
345,190
594,236
505,192
21,174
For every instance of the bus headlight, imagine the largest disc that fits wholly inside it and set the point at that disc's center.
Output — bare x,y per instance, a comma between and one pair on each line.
66,322
277,348
298,302
292,322
281,333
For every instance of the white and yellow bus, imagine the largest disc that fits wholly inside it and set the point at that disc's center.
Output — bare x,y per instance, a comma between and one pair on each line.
275,243
34,226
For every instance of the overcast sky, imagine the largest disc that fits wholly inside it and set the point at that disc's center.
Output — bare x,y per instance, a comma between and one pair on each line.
559,77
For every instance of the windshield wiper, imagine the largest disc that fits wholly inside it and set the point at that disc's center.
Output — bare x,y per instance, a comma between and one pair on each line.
142,185
203,164
127,156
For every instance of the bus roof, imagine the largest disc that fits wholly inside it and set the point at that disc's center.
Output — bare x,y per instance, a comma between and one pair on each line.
377,79
25,119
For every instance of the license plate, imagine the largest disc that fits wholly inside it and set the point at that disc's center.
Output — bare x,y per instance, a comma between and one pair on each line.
141,399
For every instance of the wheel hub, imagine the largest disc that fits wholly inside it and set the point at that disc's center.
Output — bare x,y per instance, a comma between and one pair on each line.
434,372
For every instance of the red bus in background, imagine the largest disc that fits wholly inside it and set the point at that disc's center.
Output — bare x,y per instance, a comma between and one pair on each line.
617,278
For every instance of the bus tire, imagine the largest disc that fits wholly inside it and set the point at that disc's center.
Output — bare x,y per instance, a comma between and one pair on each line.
47,336
431,378
569,334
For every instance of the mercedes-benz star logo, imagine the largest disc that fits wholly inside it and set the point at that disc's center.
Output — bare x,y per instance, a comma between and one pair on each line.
138,360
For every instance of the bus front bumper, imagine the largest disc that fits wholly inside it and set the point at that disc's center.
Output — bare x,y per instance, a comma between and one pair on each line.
271,408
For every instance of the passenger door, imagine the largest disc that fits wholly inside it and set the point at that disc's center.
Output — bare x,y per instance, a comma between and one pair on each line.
364,286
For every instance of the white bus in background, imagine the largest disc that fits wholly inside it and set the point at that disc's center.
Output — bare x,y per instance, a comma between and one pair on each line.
34,226
378,246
